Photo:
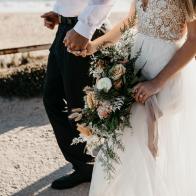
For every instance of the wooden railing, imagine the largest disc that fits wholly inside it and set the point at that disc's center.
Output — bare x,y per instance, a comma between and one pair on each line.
25,49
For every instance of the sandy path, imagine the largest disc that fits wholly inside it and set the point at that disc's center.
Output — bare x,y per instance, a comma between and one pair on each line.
29,156
23,29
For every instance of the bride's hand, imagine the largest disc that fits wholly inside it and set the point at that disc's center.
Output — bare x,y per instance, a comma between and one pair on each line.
144,90
92,47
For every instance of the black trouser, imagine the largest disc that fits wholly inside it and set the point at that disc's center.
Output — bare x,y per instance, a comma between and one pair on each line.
66,77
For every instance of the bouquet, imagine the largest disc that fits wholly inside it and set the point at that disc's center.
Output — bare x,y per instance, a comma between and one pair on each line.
108,102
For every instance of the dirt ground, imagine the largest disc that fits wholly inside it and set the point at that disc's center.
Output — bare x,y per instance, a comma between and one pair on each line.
29,156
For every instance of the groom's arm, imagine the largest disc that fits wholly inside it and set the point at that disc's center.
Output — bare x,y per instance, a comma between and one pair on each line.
93,16
89,20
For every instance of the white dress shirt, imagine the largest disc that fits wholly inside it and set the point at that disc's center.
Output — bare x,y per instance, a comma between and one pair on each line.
90,13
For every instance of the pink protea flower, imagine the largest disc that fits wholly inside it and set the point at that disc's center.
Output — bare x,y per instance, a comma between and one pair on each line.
104,110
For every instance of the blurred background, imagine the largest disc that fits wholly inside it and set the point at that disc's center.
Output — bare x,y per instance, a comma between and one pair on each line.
21,25
29,156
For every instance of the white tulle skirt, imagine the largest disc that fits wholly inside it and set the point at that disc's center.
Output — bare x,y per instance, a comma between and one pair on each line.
173,173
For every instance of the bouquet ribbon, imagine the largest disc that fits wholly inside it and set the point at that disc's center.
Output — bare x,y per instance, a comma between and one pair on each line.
153,114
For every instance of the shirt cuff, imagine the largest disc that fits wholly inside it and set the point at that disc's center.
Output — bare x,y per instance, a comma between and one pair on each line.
85,30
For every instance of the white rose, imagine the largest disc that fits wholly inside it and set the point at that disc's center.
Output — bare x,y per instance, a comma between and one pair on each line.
104,84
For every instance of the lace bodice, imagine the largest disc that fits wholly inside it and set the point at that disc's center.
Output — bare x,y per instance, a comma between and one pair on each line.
165,19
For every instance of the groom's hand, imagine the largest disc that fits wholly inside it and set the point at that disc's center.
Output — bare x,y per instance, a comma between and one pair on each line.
75,42
51,19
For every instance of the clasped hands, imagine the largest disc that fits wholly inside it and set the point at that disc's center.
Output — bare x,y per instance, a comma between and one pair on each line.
81,46
78,44
75,43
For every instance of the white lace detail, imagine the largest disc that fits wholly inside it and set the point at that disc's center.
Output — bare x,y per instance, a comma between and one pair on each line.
163,19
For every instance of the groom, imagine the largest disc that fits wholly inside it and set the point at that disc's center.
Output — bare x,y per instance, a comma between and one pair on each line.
67,75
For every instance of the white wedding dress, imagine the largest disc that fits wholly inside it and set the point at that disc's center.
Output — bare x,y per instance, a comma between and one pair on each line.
173,173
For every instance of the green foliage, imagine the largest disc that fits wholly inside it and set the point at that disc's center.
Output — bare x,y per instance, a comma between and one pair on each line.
110,113
23,81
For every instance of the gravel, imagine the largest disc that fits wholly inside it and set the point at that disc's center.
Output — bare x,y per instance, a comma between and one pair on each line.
29,156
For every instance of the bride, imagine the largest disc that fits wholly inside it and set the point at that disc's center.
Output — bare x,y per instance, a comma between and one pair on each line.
166,32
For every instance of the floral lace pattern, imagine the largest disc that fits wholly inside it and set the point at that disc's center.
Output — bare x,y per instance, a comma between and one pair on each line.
163,19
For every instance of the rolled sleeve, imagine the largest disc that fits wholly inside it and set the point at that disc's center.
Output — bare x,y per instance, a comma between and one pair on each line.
84,29
93,17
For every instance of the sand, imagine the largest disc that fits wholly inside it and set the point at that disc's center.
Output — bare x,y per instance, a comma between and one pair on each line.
23,29
29,155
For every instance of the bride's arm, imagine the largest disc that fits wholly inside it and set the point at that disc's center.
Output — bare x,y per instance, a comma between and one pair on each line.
179,60
114,34
182,56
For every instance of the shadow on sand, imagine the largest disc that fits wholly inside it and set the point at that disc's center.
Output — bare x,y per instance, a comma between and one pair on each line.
42,186
21,113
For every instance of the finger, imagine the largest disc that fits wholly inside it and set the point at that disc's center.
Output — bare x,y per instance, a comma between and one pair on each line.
45,22
72,47
46,14
135,90
137,97
68,44
65,41
155,152
77,48
141,97
144,98
89,52
82,47
68,50
84,53
77,53
136,87
49,23
72,52
50,26
139,94
152,150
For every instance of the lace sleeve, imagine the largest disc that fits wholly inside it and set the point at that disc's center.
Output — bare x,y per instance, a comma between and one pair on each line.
164,19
